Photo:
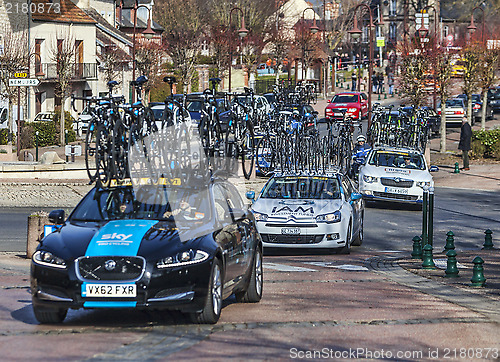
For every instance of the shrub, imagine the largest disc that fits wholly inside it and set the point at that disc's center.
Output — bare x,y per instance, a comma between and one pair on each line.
4,136
495,150
478,149
488,139
46,134
68,125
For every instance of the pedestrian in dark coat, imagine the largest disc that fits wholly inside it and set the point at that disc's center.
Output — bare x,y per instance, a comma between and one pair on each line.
464,144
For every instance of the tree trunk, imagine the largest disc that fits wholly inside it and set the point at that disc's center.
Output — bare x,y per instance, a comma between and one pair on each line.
470,115
62,124
442,130
484,97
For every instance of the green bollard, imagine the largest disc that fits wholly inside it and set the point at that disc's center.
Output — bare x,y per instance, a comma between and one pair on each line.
378,97
428,259
417,248
488,240
430,224
451,264
450,242
478,278
457,168
424,215
341,84
385,95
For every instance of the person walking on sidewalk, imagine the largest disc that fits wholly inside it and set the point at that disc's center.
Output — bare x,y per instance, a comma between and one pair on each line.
390,83
464,144
354,79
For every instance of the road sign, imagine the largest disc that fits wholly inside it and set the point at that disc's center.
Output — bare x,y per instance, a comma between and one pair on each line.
23,82
418,20
380,41
20,75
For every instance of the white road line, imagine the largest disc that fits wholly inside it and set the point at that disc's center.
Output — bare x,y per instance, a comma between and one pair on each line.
349,267
287,268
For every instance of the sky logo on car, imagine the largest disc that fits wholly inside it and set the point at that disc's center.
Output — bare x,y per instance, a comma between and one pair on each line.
119,237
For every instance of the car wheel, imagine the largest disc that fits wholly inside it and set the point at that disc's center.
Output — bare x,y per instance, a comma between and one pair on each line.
50,315
213,306
359,238
253,294
346,249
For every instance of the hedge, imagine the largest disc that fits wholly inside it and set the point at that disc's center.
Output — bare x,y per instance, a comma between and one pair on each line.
486,143
48,131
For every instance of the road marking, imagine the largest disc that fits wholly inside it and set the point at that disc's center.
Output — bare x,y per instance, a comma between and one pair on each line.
443,264
349,267
392,251
287,268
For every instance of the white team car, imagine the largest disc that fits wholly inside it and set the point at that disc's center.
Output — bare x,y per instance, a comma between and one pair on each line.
394,174
310,211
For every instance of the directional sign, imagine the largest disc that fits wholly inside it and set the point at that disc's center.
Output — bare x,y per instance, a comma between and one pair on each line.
23,82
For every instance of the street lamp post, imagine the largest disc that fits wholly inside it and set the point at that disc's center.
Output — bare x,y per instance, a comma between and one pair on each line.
242,32
472,28
436,39
313,29
148,34
356,34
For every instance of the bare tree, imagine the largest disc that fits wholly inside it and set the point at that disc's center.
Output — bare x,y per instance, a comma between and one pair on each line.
183,26
149,57
13,58
442,75
486,77
111,62
414,67
471,55
62,52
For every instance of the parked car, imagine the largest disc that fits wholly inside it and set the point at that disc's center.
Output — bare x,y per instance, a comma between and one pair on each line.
433,119
4,116
355,104
395,175
494,98
124,247
310,211
44,116
81,125
271,99
455,110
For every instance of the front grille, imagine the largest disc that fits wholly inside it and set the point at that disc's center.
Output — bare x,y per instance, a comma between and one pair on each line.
396,183
284,225
395,196
291,239
118,267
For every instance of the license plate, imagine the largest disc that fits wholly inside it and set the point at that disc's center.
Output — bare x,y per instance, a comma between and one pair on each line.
109,290
338,114
395,190
290,231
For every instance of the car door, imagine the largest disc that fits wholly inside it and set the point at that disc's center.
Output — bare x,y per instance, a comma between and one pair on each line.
226,235
355,204
244,243
364,104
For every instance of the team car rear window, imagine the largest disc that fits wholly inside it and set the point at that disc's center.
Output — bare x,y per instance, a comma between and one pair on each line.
302,188
397,159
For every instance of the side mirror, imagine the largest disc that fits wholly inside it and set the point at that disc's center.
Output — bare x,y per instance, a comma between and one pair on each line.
250,195
356,196
434,168
56,217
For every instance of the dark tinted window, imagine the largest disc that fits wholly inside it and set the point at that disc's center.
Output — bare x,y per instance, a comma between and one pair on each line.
344,98
302,188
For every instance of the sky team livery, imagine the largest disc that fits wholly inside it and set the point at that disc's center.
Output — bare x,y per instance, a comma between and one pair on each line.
180,248
394,174
297,211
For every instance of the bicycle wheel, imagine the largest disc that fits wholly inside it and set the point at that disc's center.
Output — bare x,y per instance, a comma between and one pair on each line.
103,156
266,156
120,150
91,151
247,149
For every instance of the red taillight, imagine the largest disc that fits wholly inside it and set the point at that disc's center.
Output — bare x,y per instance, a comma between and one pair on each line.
459,112
439,112
477,106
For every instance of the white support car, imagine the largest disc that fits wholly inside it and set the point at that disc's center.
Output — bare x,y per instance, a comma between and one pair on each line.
310,211
394,174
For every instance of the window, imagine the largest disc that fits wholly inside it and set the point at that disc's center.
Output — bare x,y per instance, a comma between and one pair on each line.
1,45
392,31
446,30
392,8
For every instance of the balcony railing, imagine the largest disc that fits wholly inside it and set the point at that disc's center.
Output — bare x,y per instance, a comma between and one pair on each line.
78,71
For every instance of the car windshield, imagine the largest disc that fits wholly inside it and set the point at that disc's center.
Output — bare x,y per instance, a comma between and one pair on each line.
302,188
149,203
476,98
454,103
271,98
195,106
397,159
158,111
345,98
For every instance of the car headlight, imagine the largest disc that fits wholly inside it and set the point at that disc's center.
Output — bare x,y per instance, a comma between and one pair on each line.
329,218
183,258
259,216
370,179
48,259
422,184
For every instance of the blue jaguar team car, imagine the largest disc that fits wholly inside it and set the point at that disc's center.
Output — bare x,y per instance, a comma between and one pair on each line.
126,247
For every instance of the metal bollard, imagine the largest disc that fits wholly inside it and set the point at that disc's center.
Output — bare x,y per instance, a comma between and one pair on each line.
430,225
428,259
488,240
478,279
450,242
451,264
417,248
424,215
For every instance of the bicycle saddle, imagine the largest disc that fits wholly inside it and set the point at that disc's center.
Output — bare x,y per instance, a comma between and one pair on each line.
112,83
139,81
170,79
216,80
